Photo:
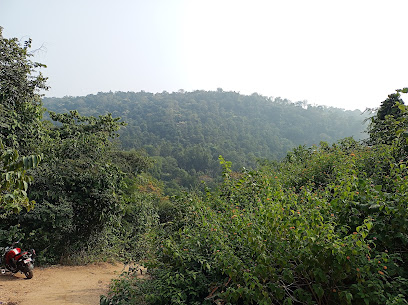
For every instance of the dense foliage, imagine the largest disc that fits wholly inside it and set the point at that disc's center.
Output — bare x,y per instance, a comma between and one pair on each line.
326,225
80,191
185,132
389,121
20,122
14,180
20,101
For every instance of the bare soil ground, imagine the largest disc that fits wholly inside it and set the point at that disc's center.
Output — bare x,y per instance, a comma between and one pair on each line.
79,285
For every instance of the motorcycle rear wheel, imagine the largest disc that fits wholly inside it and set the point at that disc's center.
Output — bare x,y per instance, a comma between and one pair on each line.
29,274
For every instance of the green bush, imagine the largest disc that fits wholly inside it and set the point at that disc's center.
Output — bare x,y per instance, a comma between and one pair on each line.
317,228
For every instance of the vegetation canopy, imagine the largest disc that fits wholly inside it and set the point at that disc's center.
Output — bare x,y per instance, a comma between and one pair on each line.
185,132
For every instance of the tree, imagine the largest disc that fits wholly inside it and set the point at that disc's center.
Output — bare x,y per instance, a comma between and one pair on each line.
20,101
390,120
79,172
20,122
14,181
77,188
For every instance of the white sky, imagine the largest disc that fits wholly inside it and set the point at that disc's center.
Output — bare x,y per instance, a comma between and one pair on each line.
349,54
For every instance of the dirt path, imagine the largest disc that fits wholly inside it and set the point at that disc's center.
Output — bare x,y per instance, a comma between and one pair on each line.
79,285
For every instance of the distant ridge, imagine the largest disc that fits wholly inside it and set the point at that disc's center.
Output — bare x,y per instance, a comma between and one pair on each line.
189,130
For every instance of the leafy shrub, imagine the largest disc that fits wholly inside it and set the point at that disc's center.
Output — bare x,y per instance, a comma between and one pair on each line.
318,228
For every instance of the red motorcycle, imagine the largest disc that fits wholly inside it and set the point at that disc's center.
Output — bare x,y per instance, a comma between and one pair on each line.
14,260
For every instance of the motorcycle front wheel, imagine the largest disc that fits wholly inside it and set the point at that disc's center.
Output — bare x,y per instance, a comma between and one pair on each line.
29,274
28,270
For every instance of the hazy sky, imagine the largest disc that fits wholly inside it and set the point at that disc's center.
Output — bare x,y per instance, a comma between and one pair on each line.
348,54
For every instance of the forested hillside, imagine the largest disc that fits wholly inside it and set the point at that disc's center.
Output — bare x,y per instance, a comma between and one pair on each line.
187,131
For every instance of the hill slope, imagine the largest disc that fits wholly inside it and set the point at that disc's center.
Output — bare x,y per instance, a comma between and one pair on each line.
187,131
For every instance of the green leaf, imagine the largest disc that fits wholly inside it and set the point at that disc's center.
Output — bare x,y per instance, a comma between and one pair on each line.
318,290
288,301
349,297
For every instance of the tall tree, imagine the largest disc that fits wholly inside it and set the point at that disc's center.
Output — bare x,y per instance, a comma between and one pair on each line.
20,98
20,122
390,120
